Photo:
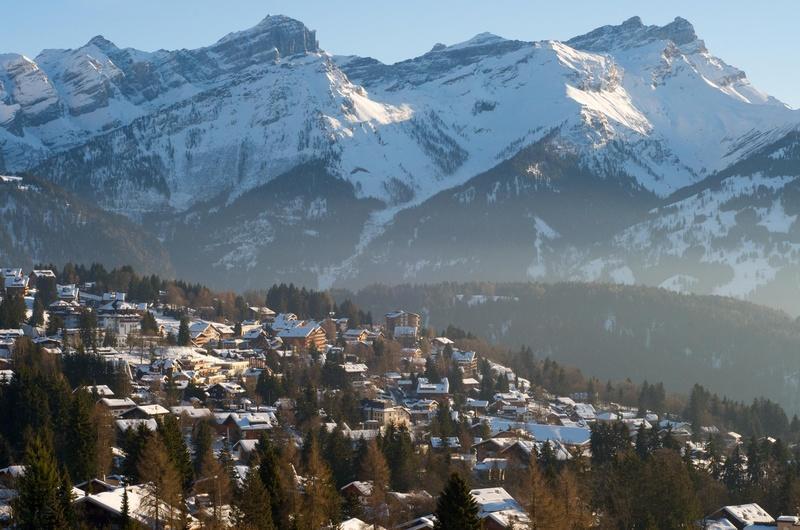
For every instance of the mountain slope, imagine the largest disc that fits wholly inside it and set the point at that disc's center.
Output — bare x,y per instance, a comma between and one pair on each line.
734,348
734,234
490,158
41,223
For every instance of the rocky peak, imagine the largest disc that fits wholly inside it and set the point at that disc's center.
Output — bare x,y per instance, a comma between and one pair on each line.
632,33
280,34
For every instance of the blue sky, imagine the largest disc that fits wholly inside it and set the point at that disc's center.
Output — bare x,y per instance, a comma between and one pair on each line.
761,38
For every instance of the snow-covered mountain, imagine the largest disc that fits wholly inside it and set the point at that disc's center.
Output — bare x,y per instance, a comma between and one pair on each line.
265,157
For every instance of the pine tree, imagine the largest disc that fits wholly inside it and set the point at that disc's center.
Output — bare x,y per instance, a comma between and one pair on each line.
37,318
38,505
253,504
183,332
81,439
269,472
456,509
127,524
170,431
202,439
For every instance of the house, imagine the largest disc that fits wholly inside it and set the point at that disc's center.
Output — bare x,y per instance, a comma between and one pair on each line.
438,344
427,389
104,509
352,336
304,337
243,449
68,292
117,406
406,335
355,523
225,392
742,516
202,332
102,391
467,361
69,311
385,412
16,284
358,489
143,412
402,319
499,510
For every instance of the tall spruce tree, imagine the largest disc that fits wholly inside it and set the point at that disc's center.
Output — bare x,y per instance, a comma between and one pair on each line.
253,504
183,332
38,505
456,509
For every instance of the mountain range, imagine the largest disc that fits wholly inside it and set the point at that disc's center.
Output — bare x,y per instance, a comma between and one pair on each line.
630,154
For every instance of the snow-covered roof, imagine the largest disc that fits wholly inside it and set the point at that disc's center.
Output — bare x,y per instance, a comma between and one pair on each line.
424,387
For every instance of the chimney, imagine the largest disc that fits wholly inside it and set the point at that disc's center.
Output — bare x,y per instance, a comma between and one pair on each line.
788,522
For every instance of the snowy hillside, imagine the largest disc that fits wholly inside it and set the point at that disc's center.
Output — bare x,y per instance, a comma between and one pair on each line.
562,147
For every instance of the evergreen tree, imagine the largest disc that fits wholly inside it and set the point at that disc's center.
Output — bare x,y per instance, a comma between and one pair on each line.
149,325
37,318
202,440
269,472
456,509
184,338
127,524
38,505
81,450
170,431
253,504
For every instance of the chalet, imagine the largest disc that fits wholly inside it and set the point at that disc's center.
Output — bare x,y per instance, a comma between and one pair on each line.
438,344
467,361
202,332
742,516
143,412
283,321
433,390
243,449
69,311
16,285
354,370
225,392
105,510
36,274
402,319
352,336
68,292
304,337
117,406
422,410
102,391
193,414
244,425
385,412
499,510
358,489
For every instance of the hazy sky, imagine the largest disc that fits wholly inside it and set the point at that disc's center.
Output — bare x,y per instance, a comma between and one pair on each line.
762,38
